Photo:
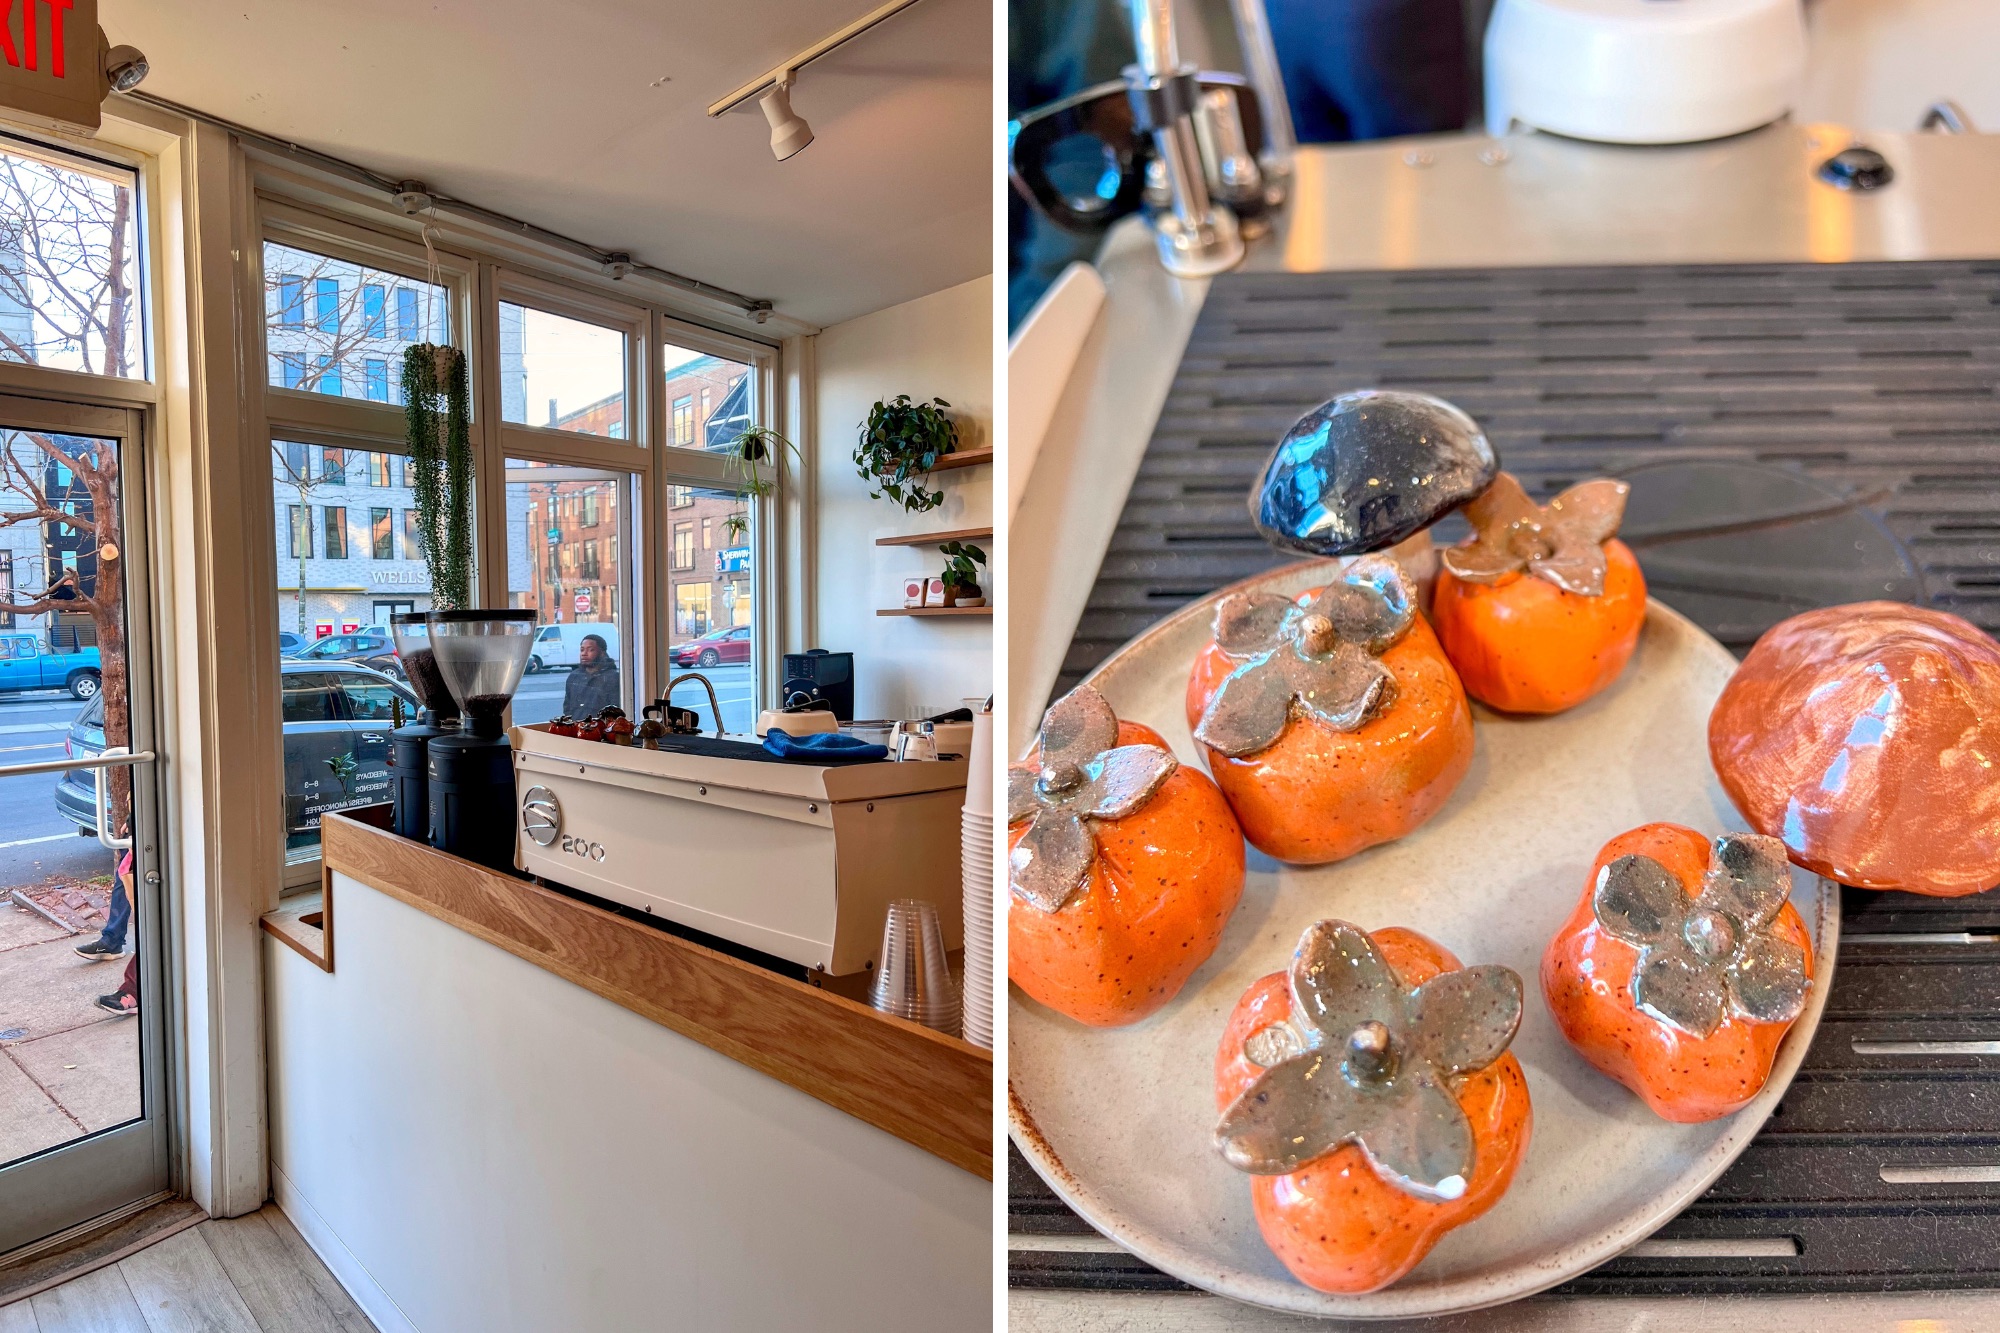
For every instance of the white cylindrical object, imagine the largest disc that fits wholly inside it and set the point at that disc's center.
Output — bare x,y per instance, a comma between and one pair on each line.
1643,71
979,770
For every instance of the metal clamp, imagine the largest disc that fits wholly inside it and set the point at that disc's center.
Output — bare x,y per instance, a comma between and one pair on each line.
1195,238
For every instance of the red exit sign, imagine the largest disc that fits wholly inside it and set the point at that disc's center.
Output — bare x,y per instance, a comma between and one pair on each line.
51,61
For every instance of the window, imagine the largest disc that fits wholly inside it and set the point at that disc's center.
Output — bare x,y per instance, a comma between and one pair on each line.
715,591
681,496
707,538
568,580
368,701
590,509
326,304
308,697
323,312
291,299
728,385
561,373
330,763
412,548
70,290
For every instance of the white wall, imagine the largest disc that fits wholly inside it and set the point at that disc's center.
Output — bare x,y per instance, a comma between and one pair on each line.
1876,64
473,1143
938,346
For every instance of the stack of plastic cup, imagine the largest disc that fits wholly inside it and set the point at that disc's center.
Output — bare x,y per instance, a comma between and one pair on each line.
914,981
976,861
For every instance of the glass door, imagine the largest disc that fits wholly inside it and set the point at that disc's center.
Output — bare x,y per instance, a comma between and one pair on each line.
82,1038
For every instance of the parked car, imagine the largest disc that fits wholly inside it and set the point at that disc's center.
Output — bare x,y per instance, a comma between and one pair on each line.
337,719
27,663
290,643
722,647
556,645
370,647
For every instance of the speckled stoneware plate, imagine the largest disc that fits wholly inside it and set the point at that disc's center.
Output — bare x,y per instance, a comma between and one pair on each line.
1119,1121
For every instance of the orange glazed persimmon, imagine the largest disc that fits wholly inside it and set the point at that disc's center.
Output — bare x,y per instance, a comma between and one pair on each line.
1322,1075
1682,968
1123,866
1331,723
1542,609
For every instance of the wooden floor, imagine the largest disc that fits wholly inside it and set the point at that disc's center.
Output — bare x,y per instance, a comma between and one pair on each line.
251,1274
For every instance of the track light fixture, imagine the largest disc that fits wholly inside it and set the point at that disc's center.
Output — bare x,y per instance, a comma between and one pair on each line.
789,131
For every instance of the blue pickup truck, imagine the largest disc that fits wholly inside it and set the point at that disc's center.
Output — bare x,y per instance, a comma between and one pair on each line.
27,663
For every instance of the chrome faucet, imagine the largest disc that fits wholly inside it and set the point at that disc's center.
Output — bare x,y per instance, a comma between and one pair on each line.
714,708
1198,144
1195,237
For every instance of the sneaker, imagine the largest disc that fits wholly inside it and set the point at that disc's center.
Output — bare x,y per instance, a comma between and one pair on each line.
97,951
118,1002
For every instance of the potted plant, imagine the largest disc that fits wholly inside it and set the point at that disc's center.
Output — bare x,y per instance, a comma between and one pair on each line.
758,445
437,417
900,443
961,574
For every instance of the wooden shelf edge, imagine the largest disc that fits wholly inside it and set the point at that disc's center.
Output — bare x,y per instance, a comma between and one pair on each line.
934,538
936,611
928,1089
968,458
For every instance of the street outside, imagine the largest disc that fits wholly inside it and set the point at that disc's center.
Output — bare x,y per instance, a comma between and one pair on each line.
67,1068
540,697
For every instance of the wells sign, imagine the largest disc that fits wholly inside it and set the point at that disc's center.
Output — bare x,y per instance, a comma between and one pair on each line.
51,62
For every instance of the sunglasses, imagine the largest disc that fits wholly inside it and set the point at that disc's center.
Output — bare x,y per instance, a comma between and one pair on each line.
1082,161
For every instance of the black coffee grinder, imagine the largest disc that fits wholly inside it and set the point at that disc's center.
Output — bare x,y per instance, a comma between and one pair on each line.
409,746
481,655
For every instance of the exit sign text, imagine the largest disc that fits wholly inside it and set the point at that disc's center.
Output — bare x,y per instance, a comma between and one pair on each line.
49,61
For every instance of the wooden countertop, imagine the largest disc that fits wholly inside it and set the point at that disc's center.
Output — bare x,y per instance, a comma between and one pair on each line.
924,1087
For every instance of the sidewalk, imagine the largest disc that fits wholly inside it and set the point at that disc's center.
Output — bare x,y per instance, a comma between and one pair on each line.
67,1068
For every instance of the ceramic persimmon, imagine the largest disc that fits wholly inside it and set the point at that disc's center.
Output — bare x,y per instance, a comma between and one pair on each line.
1867,737
1542,608
1331,723
1682,967
1123,866
1369,1093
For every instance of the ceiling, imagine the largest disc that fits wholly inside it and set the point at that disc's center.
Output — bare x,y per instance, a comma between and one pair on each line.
588,117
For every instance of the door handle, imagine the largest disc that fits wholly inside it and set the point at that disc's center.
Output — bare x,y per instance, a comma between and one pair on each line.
103,802
373,737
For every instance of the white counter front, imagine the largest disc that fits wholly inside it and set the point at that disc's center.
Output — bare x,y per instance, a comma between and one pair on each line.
472,1142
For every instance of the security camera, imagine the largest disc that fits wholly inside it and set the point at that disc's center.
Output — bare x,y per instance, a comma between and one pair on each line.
125,68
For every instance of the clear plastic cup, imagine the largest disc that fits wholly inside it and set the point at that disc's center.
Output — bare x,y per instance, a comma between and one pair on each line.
914,979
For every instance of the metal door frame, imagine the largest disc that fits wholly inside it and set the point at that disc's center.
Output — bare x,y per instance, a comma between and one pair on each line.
105,1171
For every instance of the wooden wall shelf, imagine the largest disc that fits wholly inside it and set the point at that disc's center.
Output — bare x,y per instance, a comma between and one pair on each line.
965,458
926,1088
936,611
935,538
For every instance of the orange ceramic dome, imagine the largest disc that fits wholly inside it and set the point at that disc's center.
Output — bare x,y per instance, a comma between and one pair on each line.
1867,738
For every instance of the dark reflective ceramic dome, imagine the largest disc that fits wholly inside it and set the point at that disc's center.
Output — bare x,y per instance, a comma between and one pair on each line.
1367,470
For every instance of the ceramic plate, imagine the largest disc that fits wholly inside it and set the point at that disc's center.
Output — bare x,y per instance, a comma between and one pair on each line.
1119,1121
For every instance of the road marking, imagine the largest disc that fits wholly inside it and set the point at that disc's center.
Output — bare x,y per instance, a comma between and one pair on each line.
19,727
29,842
16,749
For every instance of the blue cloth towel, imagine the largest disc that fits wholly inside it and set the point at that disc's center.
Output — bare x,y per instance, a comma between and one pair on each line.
822,744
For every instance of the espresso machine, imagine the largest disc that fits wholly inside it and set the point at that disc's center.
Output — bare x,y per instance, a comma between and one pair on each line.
409,746
481,655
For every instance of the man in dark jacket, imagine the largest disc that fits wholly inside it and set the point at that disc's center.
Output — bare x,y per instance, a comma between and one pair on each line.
593,685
